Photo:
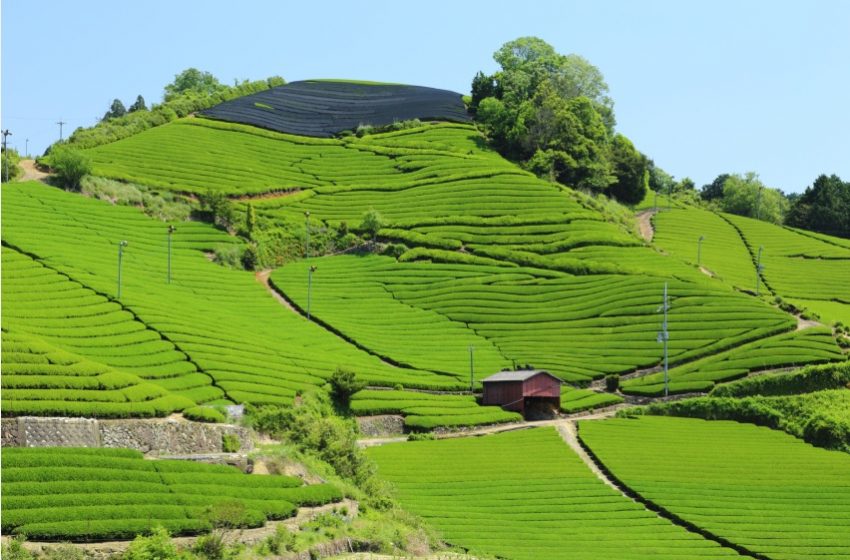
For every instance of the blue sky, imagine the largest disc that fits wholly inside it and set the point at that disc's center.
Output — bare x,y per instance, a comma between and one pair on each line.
702,87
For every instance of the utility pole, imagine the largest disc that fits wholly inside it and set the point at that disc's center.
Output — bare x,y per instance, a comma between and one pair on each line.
664,336
310,272
758,205
171,230
307,230
6,159
61,123
759,268
27,147
471,367
699,249
121,246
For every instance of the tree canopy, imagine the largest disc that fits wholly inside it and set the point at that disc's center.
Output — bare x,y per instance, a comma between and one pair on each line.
116,110
195,80
552,113
746,195
823,207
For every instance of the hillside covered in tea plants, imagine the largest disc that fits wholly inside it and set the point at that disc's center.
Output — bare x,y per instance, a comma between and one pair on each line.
328,250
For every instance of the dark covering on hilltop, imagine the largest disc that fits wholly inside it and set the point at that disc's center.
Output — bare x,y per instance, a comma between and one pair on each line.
323,109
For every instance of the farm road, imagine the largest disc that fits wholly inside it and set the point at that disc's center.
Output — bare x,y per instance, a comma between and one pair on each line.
31,172
645,224
262,276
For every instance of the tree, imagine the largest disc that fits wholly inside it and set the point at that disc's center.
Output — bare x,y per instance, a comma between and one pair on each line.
714,190
192,79
823,207
659,180
549,111
344,384
529,61
138,105
746,195
115,110
250,219
371,223
686,184
9,168
70,166
630,170
482,88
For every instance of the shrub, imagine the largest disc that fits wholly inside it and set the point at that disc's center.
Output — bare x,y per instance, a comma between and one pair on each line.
14,549
612,383
157,546
344,384
229,255
230,443
371,223
9,168
70,166
395,250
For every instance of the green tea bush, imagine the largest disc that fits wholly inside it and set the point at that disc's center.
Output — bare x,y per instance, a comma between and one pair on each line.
203,414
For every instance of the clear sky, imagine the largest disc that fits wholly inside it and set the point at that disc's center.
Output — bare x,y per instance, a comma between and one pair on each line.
702,87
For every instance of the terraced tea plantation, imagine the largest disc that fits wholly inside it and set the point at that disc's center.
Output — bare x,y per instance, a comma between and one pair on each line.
526,495
222,323
578,327
814,345
107,494
758,488
805,268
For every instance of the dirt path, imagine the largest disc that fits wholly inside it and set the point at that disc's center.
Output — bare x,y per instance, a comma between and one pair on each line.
606,412
806,323
31,172
568,432
262,276
645,224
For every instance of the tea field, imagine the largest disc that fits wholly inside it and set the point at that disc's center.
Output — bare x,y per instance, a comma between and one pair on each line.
758,488
578,327
525,494
108,494
210,320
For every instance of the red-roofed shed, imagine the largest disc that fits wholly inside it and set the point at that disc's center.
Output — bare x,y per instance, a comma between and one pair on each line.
522,390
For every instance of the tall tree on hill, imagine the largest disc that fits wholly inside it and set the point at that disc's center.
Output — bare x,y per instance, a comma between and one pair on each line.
552,113
823,207
138,105
116,110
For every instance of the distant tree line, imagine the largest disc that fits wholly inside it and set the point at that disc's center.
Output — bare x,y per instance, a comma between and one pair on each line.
552,114
824,206
192,90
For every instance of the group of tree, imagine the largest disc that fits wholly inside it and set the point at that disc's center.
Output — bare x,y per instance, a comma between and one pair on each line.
824,206
551,112
117,108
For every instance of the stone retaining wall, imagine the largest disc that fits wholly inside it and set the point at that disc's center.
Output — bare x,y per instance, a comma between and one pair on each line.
155,436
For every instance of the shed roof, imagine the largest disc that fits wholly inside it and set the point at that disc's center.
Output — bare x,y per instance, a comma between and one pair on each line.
520,375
